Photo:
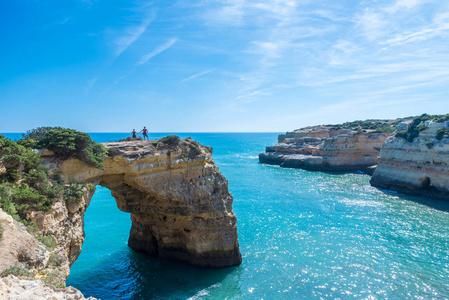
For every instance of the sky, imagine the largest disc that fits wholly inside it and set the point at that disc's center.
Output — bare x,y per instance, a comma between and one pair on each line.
219,65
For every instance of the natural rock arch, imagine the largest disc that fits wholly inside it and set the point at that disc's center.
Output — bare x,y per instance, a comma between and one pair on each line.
179,202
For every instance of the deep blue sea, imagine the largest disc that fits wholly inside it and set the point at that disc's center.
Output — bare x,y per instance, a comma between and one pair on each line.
302,234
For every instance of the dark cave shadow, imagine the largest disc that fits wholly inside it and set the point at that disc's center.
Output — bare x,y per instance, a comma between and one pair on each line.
128,274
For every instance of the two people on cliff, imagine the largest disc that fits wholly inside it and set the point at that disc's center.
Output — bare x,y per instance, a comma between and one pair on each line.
144,132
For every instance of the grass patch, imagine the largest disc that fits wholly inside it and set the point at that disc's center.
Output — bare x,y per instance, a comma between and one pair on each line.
47,240
16,271
1,231
55,278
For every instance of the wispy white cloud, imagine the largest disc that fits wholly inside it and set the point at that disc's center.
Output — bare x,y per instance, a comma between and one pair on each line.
157,51
132,34
197,75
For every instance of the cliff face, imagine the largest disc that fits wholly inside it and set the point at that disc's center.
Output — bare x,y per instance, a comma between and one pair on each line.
323,149
179,202
419,167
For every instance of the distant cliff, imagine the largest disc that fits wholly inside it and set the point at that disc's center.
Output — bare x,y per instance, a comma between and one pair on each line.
416,160
345,147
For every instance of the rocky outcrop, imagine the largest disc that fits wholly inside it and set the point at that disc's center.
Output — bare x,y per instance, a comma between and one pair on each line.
323,148
12,287
179,202
417,167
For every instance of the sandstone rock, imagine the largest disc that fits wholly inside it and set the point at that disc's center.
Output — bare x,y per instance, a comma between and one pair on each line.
14,288
179,202
323,149
18,247
420,167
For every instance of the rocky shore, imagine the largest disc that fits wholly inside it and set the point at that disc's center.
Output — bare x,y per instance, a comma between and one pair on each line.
329,148
416,161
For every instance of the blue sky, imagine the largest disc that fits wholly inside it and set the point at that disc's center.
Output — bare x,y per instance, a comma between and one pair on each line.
217,65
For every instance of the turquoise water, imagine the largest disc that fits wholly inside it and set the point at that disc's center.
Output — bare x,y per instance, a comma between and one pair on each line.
303,235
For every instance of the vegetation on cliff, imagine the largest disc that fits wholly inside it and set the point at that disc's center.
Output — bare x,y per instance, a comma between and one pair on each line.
25,187
66,143
24,184
418,124
378,126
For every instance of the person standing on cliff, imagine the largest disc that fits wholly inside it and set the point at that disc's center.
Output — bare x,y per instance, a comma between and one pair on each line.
144,132
133,134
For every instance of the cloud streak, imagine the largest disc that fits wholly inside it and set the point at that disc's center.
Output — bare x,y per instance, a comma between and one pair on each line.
197,75
133,33
144,59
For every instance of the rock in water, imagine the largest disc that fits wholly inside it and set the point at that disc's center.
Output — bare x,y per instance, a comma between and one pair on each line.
179,201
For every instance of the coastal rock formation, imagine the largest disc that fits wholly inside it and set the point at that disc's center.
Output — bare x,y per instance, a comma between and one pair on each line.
179,202
325,148
416,166
12,287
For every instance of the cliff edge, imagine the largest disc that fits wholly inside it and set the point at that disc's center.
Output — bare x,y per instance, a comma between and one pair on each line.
416,161
346,147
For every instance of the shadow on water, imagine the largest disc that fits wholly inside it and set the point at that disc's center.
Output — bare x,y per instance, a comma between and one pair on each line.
441,205
127,274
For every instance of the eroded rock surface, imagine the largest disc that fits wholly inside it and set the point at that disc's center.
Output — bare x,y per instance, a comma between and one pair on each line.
179,202
420,167
322,148
14,288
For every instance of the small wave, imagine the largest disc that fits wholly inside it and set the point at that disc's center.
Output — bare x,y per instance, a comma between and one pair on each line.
204,292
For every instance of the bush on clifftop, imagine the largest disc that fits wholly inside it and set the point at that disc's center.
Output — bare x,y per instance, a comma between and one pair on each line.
66,143
170,140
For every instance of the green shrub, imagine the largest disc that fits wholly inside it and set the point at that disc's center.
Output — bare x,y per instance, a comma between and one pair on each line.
194,150
402,134
74,192
16,271
441,133
170,140
55,259
139,138
429,145
66,143
47,240
24,187
1,231
55,278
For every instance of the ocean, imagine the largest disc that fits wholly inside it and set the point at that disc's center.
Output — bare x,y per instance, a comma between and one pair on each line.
302,234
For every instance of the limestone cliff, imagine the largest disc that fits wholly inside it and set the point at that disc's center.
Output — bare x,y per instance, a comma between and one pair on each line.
326,148
179,202
416,165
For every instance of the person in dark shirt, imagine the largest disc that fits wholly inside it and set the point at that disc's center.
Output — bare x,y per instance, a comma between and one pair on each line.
145,133
133,133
